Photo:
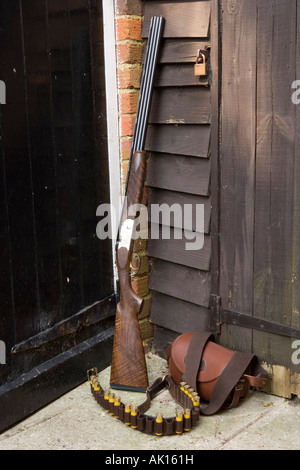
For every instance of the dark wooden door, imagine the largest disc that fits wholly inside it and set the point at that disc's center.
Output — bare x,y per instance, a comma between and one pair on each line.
56,280
259,216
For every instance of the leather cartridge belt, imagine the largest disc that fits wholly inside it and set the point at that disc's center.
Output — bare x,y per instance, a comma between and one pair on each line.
136,417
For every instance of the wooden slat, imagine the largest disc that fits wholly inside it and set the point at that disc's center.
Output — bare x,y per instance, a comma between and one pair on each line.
181,282
177,247
169,75
183,19
67,167
178,315
6,292
188,139
57,7
273,255
215,146
88,169
179,173
43,162
238,170
181,50
295,370
161,196
20,200
181,106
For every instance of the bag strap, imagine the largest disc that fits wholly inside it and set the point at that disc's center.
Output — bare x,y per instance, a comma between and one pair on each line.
232,378
194,356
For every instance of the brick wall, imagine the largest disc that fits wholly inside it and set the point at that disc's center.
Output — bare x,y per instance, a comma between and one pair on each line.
130,49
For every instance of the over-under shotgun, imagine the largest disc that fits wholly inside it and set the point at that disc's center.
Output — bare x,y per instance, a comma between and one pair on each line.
128,366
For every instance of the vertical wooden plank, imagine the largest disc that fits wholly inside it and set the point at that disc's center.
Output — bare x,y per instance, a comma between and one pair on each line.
7,314
238,168
262,253
7,317
273,261
295,368
63,103
43,160
64,149
215,163
18,160
88,177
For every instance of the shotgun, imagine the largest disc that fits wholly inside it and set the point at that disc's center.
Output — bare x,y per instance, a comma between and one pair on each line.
128,366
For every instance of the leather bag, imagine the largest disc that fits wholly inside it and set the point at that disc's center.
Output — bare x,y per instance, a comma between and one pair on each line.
220,376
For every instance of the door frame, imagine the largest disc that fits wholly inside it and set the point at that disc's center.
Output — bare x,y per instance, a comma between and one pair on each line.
114,157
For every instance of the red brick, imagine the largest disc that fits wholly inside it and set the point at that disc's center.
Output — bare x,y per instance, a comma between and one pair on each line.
130,53
124,172
125,148
129,77
128,102
127,125
128,28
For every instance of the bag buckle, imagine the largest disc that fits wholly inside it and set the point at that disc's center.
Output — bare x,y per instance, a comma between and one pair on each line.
240,385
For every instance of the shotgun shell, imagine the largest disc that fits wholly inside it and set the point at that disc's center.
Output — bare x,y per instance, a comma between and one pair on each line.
97,386
187,420
182,385
127,414
92,380
106,400
159,423
117,406
179,422
111,403
133,417
196,399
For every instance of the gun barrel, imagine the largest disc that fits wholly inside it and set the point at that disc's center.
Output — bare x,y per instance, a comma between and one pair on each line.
128,366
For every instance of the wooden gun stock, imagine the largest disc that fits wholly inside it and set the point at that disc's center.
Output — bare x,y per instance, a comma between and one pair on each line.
128,366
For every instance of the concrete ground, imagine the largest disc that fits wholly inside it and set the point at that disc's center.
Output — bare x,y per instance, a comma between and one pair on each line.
77,422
